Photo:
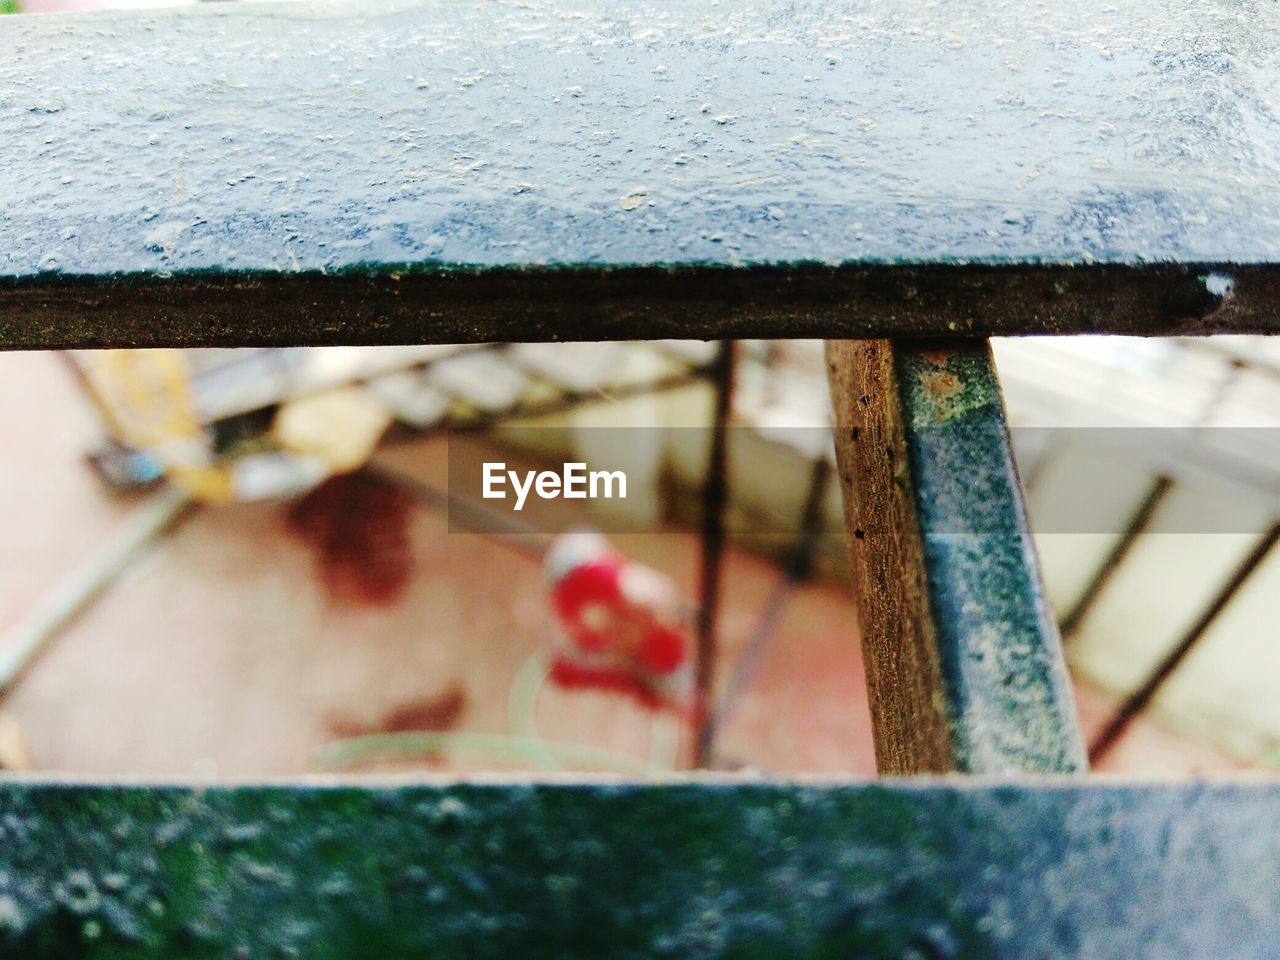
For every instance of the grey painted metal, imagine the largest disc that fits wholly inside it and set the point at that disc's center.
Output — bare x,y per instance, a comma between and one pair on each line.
315,173
917,868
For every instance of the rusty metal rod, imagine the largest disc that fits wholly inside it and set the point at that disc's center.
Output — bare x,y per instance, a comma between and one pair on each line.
1139,700
797,569
1139,522
52,614
714,500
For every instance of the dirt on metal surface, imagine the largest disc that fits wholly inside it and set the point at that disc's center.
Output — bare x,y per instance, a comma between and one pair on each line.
630,173
960,869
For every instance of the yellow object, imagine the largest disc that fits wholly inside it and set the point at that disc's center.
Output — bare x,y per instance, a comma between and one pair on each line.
14,754
341,427
146,395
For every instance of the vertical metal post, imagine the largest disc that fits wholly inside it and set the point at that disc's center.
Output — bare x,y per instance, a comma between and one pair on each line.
797,569
714,501
964,661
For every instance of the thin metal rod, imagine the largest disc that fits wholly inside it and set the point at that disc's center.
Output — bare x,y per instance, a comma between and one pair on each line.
797,569
1142,697
24,643
714,500
1138,523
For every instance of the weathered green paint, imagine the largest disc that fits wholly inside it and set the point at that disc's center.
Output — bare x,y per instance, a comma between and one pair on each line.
319,174
1008,695
920,868
964,663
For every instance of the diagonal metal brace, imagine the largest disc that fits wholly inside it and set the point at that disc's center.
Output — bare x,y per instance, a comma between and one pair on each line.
964,660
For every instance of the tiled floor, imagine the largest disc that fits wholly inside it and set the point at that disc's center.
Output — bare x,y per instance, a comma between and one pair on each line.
222,652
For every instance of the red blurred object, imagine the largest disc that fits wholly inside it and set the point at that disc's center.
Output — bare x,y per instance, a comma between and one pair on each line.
357,524
621,627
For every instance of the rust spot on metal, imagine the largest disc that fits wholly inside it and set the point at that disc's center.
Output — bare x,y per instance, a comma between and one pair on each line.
939,358
941,385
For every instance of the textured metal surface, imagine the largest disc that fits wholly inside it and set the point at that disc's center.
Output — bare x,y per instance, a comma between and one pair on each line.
892,870
313,173
1009,695
964,662
392,304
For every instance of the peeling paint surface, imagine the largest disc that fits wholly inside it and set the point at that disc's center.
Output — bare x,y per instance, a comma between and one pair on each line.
939,869
1008,692
320,140
499,133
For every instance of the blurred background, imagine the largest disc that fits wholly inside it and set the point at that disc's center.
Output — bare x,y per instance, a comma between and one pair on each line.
251,562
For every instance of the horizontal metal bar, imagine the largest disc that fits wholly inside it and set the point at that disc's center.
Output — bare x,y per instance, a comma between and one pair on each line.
395,304
279,169
964,662
925,868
